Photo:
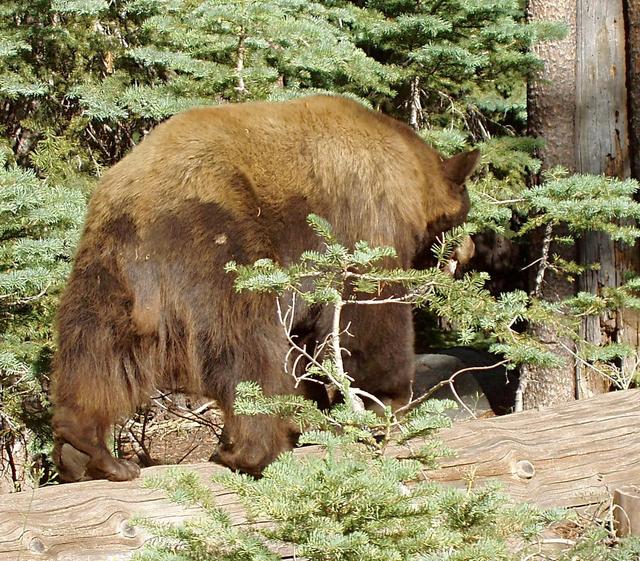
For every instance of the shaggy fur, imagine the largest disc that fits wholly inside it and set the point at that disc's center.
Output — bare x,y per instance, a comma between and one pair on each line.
148,304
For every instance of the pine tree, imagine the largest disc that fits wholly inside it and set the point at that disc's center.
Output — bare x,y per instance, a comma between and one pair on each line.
39,226
259,50
462,63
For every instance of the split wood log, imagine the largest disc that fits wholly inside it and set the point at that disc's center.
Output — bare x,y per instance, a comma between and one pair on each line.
569,456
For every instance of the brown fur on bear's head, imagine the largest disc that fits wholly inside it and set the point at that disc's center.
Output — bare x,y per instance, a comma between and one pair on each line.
454,173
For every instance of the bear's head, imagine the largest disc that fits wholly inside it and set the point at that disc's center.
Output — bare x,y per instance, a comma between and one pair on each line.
453,210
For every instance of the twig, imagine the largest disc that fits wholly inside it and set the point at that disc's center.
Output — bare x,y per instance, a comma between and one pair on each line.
592,367
502,201
28,299
391,300
241,87
544,260
518,405
184,413
184,456
449,381
531,264
139,448
353,394
415,107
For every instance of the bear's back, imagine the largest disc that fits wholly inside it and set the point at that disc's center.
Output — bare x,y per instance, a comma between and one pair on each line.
280,145
369,175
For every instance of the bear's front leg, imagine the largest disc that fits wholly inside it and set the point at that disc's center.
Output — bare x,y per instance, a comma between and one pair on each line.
249,443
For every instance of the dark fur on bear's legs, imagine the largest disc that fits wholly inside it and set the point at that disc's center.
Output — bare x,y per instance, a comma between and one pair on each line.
380,355
88,437
250,442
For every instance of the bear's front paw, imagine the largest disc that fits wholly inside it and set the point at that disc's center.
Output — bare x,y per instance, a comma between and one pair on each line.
125,471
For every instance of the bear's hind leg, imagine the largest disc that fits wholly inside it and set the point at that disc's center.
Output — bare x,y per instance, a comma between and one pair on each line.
76,431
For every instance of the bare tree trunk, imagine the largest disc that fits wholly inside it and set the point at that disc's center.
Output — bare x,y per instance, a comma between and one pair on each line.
632,20
579,106
551,99
629,325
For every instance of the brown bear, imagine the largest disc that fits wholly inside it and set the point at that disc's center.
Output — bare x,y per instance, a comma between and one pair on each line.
148,304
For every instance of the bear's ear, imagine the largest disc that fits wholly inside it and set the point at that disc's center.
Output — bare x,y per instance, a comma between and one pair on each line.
459,167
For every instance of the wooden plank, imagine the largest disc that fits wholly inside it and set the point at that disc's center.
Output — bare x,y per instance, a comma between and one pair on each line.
89,520
572,455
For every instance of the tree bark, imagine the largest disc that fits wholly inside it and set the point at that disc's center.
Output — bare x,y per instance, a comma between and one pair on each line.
551,99
632,24
629,325
602,145
579,106
606,130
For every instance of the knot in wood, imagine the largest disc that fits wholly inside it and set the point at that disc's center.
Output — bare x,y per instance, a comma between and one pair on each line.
36,545
524,469
127,530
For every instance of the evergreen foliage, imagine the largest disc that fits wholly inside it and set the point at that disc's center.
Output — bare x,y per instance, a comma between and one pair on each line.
463,62
39,226
83,81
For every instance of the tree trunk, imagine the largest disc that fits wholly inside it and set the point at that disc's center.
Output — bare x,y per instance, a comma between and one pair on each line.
579,106
550,100
632,20
629,326
551,97
602,145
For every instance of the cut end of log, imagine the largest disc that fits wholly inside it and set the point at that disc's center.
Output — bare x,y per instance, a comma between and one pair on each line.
626,510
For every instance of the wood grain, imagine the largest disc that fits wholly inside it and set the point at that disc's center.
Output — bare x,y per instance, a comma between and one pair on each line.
579,451
626,510
566,456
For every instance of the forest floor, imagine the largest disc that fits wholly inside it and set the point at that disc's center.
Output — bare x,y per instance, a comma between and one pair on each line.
175,429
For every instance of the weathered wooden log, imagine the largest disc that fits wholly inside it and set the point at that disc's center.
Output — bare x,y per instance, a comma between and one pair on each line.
626,510
570,456
566,456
